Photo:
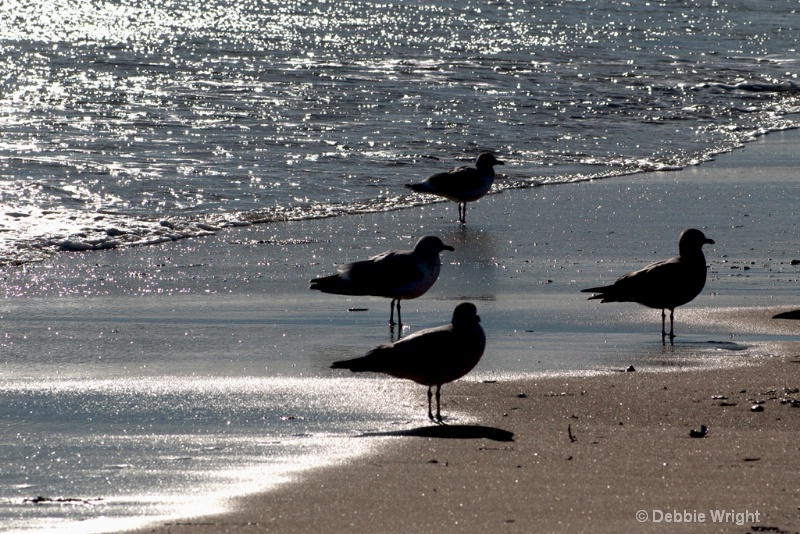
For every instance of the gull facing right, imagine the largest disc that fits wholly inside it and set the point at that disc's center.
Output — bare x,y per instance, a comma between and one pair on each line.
394,274
664,284
462,184
429,357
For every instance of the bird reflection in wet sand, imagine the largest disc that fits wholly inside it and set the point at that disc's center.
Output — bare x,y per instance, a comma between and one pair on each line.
397,275
429,357
462,184
664,284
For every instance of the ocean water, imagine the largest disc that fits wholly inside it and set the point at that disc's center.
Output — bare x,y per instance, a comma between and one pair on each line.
136,121
158,387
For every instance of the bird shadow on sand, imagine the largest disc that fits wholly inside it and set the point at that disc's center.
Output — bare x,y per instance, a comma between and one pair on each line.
794,315
449,432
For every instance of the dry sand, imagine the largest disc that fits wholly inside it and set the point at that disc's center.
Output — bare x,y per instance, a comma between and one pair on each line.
610,452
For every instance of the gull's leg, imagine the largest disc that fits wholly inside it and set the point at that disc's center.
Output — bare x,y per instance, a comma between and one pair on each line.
671,327
391,313
439,403
430,396
462,212
399,320
663,324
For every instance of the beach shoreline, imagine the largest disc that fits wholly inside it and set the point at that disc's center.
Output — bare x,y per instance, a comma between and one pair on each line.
235,309
566,453
632,448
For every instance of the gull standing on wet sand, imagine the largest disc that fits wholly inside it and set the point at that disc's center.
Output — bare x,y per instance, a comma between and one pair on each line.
396,275
429,357
664,284
462,184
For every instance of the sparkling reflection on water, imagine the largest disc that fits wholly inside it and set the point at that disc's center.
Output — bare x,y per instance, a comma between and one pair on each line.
111,453
117,115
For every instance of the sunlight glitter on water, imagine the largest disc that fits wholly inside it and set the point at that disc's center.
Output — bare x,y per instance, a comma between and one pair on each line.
108,454
222,112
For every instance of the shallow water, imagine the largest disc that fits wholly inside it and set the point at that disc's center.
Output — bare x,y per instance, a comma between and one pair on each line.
98,455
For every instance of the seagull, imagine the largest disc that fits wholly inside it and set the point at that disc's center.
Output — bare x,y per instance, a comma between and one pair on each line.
430,357
462,184
397,275
664,284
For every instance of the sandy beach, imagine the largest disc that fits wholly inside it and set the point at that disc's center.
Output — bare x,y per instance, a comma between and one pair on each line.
517,470
529,449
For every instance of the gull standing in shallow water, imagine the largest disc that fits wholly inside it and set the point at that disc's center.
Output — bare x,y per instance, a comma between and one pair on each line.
462,184
429,357
396,275
664,284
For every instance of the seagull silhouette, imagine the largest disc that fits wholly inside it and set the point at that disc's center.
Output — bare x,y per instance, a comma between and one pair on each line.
397,275
462,184
664,284
429,357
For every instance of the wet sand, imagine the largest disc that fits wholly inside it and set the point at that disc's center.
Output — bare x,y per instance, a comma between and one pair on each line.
525,450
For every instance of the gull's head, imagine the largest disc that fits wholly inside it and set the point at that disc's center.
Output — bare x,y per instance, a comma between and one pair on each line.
432,245
692,240
487,159
465,313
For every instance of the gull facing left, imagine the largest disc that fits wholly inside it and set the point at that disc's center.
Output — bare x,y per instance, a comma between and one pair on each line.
429,357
